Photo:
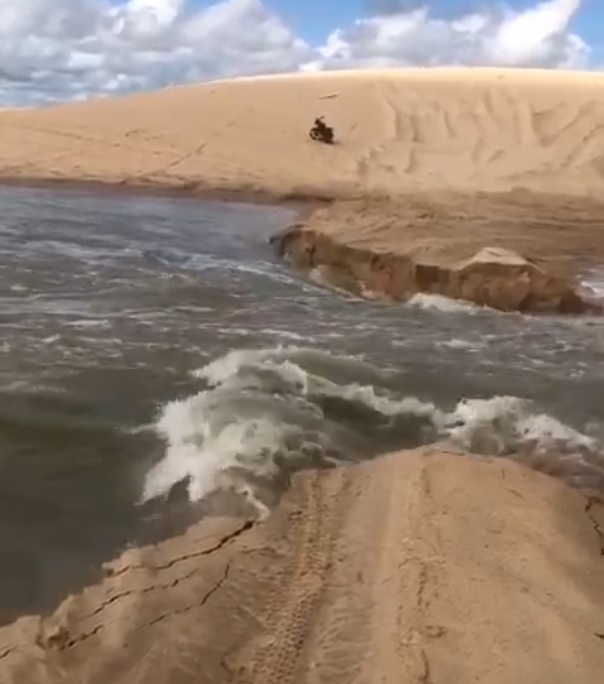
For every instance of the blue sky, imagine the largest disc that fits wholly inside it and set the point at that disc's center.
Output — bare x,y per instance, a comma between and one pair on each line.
590,23
315,19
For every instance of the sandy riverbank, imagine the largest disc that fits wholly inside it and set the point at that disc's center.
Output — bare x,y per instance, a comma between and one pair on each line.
418,567
474,157
515,251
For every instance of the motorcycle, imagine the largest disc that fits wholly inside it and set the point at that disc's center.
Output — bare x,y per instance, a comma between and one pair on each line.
321,132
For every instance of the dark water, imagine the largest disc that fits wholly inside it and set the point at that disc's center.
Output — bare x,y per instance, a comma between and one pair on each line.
108,306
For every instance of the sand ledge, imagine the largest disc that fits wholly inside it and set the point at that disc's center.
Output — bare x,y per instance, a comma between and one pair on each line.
376,572
492,278
513,252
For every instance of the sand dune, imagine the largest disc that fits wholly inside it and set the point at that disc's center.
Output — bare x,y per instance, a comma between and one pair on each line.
399,131
385,572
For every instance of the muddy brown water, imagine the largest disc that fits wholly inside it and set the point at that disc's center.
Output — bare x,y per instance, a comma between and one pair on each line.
109,303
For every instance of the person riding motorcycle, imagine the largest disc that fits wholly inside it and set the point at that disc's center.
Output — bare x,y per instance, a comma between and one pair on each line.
321,131
320,124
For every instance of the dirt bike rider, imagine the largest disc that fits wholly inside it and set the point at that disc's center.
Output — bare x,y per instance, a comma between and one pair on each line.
321,125
321,131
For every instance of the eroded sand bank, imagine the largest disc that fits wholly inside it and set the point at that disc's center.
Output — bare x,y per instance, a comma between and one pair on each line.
515,251
418,567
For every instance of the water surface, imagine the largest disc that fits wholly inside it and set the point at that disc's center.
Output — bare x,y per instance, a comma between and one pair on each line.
154,349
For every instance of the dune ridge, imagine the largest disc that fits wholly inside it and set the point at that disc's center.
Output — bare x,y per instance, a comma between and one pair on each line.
399,130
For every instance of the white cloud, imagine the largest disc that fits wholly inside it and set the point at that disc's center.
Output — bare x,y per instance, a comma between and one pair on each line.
64,49
59,49
538,36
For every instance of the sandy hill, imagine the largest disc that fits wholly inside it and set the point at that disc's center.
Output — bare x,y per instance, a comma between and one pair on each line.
468,129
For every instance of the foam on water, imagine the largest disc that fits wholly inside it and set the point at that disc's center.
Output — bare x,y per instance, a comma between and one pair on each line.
265,413
85,323
456,343
593,283
503,425
436,302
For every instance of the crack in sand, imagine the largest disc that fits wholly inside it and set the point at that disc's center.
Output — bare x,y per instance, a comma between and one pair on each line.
591,502
425,677
160,618
146,590
206,597
7,652
83,637
61,641
248,524
159,587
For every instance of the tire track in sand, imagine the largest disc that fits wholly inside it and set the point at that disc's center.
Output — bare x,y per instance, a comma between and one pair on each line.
335,619
276,654
361,633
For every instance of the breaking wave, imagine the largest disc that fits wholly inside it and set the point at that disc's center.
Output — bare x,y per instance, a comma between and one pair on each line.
264,414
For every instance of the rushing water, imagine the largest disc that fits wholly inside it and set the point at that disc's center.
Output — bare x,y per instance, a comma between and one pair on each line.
155,350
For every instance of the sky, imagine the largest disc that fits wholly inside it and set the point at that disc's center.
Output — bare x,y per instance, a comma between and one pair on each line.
56,50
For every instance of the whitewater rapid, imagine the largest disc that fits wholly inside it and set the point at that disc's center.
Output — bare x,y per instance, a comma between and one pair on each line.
160,362
265,413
